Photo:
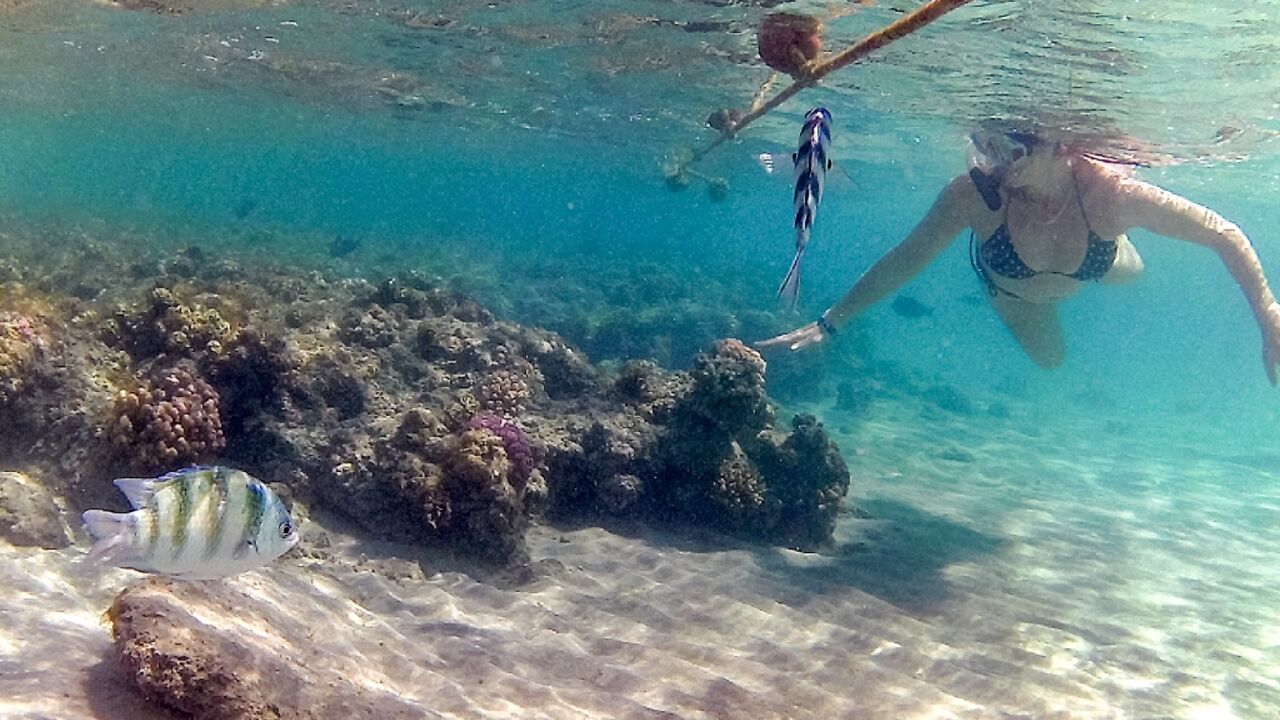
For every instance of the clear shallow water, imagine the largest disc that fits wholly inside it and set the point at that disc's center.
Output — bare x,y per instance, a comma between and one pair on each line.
509,147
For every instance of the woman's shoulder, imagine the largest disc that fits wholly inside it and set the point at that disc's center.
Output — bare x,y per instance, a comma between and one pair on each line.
1116,199
960,194
1102,178
1104,187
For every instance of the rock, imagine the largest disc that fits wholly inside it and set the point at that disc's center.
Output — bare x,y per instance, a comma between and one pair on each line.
182,645
29,516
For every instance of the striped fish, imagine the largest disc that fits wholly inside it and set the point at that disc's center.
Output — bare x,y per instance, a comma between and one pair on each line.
199,523
811,166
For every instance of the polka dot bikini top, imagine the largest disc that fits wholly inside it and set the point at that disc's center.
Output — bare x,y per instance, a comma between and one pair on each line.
998,254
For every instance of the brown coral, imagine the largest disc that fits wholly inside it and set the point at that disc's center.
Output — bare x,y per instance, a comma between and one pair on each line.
728,389
167,324
505,392
479,459
19,348
172,418
739,490
487,508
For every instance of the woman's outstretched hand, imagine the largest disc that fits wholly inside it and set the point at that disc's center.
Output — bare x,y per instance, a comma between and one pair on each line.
1271,340
803,337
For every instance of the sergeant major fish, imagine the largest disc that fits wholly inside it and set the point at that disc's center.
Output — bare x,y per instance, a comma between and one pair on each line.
198,524
811,166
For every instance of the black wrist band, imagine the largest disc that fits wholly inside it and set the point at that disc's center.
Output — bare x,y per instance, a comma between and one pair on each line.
826,327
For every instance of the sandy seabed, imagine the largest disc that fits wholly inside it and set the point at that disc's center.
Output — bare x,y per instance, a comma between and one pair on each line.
987,573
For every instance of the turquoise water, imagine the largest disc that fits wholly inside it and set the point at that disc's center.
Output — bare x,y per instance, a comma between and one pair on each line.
516,150
140,121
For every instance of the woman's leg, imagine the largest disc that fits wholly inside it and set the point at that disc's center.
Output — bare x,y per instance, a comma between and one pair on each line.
1036,328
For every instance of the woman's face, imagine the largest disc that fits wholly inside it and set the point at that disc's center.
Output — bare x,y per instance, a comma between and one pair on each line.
1033,170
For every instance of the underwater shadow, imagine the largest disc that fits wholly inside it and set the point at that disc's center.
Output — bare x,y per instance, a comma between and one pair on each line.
388,558
898,555
887,549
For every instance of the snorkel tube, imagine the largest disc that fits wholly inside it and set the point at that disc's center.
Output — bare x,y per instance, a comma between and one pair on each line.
988,187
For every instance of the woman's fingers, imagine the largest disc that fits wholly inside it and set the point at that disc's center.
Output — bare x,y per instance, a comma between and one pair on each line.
796,339
783,339
812,336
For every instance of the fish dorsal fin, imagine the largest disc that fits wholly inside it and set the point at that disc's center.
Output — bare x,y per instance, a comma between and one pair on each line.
139,490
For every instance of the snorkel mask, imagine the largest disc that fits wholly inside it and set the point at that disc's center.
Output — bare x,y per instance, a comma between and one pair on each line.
990,155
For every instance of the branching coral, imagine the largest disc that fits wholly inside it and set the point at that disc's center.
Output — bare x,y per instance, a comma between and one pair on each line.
172,418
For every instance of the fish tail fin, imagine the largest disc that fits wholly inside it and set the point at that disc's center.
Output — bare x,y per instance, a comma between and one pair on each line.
789,290
111,534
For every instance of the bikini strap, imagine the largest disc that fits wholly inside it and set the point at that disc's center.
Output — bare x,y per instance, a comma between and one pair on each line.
1075,183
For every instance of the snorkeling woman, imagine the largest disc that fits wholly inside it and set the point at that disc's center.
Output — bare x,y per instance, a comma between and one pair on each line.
1046,218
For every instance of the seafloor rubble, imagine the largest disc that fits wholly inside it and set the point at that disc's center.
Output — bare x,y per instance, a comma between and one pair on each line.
402,405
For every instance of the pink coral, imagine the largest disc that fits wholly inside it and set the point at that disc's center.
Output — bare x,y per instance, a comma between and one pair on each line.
514,441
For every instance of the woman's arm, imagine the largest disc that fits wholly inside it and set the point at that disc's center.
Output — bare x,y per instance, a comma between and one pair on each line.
945,219
1141,204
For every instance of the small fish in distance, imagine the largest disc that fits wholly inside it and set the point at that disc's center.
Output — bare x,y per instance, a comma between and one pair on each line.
909,307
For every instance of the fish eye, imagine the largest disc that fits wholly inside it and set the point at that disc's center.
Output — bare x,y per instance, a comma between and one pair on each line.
286,529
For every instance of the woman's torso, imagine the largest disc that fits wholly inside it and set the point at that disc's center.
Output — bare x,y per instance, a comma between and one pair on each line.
1044,251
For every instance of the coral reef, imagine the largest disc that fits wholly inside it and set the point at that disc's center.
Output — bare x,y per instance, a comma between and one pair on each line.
816,479
485,499
253,375
701,447
20,348
472,489
514,442
412,410
728,390
169,420
166,324
505,392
